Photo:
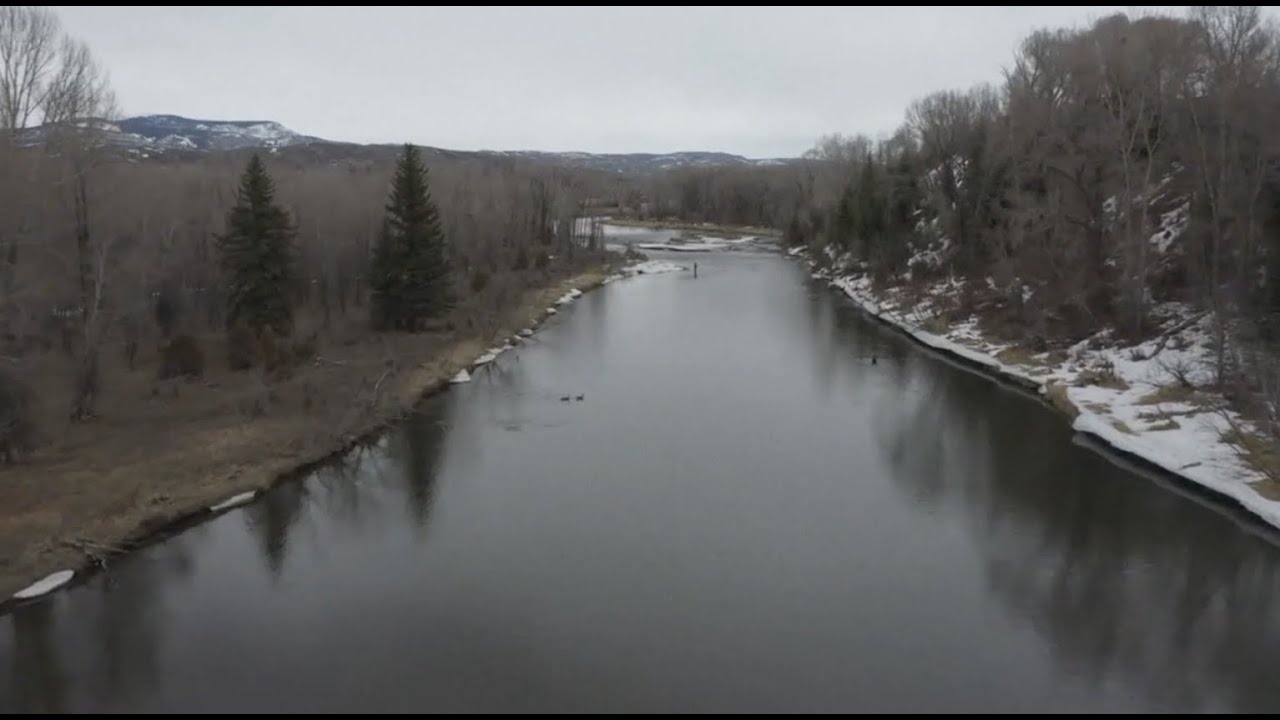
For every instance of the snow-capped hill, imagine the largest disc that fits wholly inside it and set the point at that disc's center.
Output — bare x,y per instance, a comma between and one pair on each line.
176,132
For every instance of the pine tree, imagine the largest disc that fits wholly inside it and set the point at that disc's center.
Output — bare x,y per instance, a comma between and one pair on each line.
258,256
411,277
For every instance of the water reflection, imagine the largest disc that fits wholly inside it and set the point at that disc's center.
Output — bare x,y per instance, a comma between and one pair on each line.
723,523
271,518
339,487
1119,574
419,449
33,645
99,646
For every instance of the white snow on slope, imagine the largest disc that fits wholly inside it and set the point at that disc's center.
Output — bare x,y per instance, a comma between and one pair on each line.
462,377
1172,225
1183,438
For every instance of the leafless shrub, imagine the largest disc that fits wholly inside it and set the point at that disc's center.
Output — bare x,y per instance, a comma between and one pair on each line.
1180,368
181,356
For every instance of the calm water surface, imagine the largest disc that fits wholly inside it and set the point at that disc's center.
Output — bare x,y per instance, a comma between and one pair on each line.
743,513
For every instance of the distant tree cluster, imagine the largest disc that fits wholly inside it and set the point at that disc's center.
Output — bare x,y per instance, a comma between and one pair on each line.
1122,164
104,247
1117,166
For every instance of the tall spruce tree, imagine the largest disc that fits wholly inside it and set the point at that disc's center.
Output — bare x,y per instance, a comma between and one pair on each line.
258,256
411,278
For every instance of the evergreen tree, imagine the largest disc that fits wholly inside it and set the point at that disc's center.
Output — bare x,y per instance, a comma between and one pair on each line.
411,278
868,212
258,256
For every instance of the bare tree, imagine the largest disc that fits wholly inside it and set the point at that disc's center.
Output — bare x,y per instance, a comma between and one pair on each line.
29,57
76,100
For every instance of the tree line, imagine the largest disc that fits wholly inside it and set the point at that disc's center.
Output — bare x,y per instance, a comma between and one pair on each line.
1117,166
117,260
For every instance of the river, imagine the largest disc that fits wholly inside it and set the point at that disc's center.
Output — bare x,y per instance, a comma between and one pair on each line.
762,502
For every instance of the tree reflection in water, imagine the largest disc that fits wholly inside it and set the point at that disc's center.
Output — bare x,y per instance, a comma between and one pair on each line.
1120,574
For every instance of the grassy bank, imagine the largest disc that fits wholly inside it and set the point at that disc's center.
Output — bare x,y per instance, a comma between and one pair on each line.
166,452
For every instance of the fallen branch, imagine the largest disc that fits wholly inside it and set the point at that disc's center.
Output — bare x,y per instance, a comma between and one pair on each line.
378,384
96,552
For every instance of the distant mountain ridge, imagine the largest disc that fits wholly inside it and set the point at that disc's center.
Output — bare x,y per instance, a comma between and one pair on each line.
177,132
638,162
146,134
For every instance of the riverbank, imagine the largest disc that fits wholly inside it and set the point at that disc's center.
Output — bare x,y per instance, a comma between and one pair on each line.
1146,400
709,229
214,443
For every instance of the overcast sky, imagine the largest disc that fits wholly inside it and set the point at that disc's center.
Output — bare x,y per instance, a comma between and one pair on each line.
761,82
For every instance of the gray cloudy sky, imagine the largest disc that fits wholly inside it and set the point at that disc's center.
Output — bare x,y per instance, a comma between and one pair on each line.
761,82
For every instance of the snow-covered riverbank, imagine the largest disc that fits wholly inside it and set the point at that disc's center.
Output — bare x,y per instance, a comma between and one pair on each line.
1139,399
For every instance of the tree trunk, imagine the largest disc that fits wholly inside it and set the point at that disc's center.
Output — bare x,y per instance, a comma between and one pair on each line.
86,379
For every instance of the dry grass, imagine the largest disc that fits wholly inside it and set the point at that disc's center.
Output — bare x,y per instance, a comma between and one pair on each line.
1018,355
1262,453
1101,377
1056,358
164,449
1169,394
936,325
1122,426
1166,424
1057,396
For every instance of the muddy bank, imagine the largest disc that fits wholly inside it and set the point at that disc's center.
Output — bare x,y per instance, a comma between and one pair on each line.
160,459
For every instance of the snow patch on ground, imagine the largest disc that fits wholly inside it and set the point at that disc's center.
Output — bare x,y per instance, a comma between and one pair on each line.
491,354
233,501
569,297
684,247
1128,396
1172,225
45,585
462,377
649,267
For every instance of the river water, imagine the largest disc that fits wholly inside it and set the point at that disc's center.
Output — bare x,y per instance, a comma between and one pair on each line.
763,502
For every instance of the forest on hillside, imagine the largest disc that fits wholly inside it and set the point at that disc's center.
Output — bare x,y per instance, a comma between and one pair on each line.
1114,169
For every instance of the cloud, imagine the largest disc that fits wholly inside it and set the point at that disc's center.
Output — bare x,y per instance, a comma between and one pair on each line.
762,82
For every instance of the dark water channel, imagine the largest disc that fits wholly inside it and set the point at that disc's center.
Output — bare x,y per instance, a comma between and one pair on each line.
743,513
